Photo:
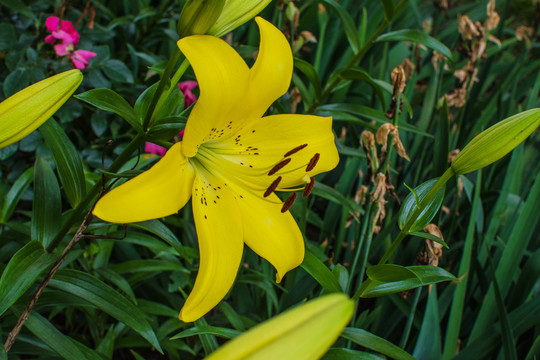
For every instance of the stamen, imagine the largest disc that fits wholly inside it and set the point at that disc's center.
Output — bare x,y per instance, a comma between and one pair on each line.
296,149
279,166
309,187
272,187
289,202
313,162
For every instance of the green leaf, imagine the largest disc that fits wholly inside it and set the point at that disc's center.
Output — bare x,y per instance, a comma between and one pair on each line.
118,71
360,74
47,206
388,279
417,37
21,272
409,206
14,194
428,344
388,7
320,272
373,342
63,345
68,161
16,81
148,265
348,24
329,193
347,354
108,100
309,71
7,36
107,299
430,237
208,330
19,6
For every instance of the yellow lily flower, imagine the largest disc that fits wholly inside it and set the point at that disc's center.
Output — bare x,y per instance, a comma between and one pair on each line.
231,160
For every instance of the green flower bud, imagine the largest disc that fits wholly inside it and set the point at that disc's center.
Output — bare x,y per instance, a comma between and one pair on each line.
236,13
25,111
198,16
303,333
495,142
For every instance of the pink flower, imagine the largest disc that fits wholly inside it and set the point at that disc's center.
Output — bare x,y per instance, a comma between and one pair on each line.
189,98
66,33
80,58
70,38
185,88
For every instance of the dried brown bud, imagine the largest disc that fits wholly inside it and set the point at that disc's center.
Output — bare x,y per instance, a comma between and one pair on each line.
399,79
296,98
434,249
493,18
408,66
457,97
466,28
452,155
436,58
524,33
382,139
380,188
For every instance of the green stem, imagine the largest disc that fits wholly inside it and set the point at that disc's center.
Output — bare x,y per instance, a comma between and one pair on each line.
165,81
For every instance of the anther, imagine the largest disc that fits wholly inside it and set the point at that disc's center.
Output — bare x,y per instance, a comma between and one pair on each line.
289,202
279,166
309,187
313,162
296,149
273,186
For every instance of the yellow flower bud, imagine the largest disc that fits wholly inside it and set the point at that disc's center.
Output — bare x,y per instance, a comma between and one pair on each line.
236,13
198,16
495,142
303,333
25,111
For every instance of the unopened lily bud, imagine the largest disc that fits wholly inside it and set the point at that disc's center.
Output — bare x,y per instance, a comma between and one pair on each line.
198,16
25,111
305,332
495,142
236,13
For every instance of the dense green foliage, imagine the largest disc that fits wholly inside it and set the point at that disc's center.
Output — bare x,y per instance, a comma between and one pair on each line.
118,292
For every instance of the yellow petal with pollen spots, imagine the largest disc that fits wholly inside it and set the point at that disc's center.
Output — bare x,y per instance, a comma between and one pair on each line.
271,74
223,82
158,192
263,143
219,230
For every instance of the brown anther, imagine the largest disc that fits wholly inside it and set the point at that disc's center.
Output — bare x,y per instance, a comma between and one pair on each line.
313,162
289,202
279,166
295,150
309,187
273,186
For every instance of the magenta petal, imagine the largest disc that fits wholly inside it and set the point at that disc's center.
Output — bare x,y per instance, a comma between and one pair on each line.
189,97
52,23
49,39
85,54
61,49
187,85
68,28
154,149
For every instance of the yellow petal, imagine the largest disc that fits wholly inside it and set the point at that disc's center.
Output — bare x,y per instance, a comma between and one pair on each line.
219,230
271,234
25,111
158,192
223,81
263,143
303,333
271,74
231,94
